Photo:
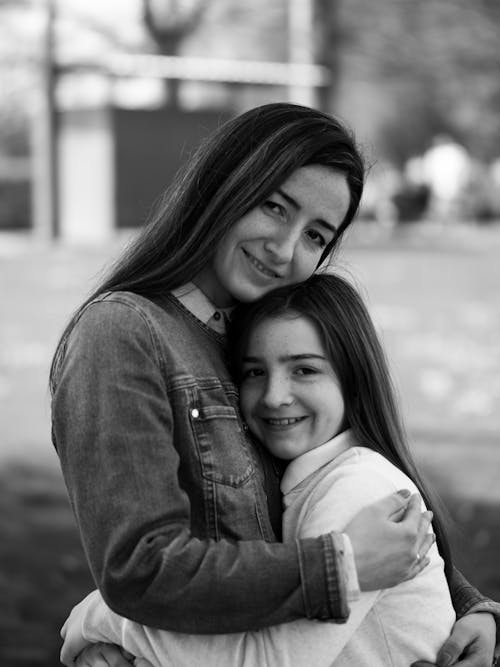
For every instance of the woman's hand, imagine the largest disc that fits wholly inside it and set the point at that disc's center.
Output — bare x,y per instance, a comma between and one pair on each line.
390,540
471,643
103,655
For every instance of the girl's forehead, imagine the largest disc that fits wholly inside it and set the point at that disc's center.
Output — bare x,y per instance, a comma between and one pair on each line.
274,320
289,329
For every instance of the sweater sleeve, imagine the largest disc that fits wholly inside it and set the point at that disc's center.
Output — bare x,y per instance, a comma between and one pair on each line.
468,600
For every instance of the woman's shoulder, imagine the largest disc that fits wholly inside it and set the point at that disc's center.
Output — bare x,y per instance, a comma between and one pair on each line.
119,316
119,305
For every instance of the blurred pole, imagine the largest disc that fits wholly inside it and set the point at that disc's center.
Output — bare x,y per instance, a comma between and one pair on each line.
328,42
300,47
44,155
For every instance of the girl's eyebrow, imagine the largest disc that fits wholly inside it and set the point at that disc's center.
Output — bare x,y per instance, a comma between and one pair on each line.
289,357
293,202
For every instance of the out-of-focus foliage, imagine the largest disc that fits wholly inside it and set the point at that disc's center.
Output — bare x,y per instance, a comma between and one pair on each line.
423,68
18,46
401,70
169,23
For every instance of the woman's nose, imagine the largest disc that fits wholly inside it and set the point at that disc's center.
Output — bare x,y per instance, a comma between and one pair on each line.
282,246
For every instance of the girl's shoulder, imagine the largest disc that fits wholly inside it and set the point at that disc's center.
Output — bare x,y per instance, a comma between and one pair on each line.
366,471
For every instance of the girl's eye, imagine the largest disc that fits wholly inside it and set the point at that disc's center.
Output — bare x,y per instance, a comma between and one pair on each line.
317,238
306,370
252,373
275,208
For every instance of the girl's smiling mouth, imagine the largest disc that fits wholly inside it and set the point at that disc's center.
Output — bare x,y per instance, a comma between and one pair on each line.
284,421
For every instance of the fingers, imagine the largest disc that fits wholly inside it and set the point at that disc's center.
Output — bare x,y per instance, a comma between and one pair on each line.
115,656
394,505
102,655
424,526
127,655
413,514
97,661
424,546
64,629
417,567
471,643
473,656
420,540
448,654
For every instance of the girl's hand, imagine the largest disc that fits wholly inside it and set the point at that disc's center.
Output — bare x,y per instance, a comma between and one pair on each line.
77,651
74,642
104,655
390,540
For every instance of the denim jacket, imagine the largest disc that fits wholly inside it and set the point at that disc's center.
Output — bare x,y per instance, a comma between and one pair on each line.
178,509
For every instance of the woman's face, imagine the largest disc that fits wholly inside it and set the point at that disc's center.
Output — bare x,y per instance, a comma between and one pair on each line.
290,395
281,241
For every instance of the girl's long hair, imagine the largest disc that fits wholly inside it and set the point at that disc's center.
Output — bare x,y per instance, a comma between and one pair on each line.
348,334
232,172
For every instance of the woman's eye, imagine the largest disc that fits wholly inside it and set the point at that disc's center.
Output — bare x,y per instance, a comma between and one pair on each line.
275,208
316,237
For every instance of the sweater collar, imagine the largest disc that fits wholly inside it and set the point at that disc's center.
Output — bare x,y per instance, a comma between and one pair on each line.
307,463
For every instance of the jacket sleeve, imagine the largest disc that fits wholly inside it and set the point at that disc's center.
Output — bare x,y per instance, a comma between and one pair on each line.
112,427
468,600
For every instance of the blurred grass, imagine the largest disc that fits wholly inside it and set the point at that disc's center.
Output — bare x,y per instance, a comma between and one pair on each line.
434,295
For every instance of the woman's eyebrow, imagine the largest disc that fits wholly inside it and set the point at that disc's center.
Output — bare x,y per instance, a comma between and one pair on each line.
289,199
293,202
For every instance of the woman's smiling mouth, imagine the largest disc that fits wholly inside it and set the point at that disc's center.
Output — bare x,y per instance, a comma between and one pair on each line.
262,268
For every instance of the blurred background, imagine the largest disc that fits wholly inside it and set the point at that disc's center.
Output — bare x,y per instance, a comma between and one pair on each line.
101,102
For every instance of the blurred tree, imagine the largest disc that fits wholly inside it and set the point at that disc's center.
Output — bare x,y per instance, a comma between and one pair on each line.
17,59
429,66
169,22
400,70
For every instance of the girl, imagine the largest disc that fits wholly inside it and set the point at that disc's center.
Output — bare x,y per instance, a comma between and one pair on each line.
316,392
179,511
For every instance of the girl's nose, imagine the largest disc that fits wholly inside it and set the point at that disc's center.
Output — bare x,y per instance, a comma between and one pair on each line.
276,393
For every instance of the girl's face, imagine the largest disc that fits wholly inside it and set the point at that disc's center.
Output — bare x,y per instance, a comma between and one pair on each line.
290,395
281,241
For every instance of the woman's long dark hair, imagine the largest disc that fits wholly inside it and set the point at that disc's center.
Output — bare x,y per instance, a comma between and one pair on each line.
233,171
348,334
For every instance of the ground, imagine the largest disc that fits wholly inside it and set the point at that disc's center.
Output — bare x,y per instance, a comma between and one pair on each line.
434,296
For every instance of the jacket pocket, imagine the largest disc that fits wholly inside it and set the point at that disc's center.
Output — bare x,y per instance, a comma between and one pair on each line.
221,442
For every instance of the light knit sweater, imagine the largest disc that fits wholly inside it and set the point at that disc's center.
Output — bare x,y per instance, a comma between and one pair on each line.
323,490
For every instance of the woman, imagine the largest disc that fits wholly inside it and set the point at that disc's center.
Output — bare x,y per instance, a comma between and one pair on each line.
179,511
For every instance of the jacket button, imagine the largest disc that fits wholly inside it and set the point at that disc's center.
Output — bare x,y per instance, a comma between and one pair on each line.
195,413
